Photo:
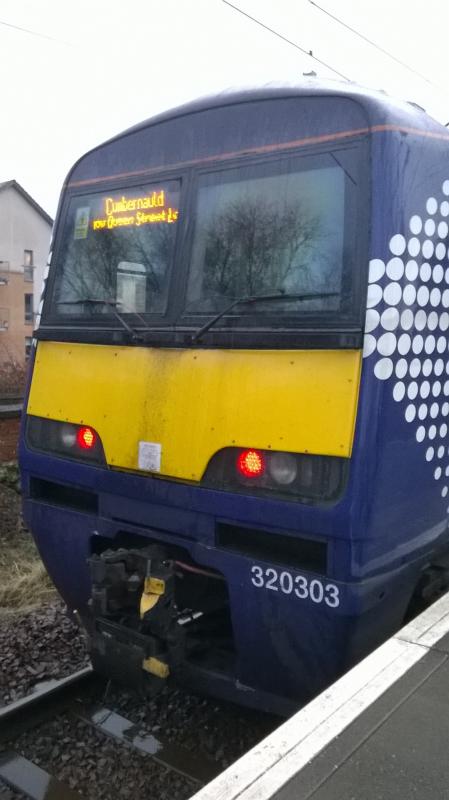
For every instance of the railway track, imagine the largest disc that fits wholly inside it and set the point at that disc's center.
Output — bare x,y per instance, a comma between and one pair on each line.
78,706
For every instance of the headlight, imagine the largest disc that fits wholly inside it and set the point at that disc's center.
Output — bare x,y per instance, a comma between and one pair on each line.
68,435
283,468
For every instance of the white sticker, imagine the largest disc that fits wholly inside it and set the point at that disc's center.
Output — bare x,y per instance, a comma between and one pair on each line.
81,223
150,456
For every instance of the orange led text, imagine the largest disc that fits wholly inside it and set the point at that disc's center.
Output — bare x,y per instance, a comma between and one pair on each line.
147,210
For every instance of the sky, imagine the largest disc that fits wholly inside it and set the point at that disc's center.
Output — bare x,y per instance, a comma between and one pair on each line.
107,65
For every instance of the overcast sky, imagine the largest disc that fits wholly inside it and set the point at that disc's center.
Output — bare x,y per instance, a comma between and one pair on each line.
109,64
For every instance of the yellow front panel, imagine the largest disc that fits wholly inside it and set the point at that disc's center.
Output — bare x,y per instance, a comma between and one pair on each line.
195,402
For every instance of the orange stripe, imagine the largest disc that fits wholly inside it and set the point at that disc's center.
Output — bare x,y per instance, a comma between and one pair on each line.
269,148
413,131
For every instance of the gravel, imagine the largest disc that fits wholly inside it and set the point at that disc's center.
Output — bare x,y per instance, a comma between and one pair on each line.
221,731
45,644
10,512
35,645
38,646
97,766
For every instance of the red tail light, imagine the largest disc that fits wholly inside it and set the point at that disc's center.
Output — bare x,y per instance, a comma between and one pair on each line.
86,437
65,439
251,463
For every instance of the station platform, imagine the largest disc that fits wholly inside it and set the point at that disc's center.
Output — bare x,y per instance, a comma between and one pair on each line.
381,732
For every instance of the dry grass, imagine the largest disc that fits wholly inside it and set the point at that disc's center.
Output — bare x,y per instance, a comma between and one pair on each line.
24,583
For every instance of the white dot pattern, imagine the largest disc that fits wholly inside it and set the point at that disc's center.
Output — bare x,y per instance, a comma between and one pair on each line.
406,328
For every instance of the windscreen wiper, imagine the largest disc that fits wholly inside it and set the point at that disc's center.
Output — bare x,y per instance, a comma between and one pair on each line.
254,299
134,334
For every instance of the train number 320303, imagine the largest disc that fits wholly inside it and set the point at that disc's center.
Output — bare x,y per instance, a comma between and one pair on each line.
299,585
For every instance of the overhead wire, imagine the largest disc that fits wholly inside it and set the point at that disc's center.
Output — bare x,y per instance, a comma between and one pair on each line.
308,53
34,33
374,44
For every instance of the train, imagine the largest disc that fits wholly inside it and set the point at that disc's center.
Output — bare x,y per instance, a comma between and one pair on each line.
234,448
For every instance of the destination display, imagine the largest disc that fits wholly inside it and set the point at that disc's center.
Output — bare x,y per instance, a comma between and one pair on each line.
125,211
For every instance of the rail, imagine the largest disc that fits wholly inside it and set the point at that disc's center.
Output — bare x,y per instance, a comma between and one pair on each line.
82,697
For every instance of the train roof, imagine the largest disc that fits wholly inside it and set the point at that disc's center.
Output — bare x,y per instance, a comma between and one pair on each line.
372,110
379,107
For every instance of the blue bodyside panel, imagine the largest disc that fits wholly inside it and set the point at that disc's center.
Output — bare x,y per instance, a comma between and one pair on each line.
404,379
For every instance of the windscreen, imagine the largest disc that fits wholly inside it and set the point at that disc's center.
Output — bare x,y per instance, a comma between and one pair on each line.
175,253
272,228
117,251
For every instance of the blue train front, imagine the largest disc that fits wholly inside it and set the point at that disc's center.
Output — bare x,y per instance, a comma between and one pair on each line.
234,453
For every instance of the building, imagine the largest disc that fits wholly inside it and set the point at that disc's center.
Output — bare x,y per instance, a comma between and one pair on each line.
25,230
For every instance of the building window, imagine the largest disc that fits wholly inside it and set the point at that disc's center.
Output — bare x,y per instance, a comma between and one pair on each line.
28,343
4,319
28,309
28,267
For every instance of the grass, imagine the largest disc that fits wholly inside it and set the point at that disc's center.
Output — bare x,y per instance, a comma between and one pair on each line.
24,582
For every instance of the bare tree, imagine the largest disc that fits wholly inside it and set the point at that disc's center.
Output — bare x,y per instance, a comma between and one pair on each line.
90,266
12,373
254,247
